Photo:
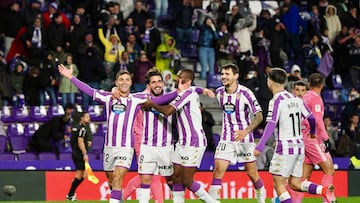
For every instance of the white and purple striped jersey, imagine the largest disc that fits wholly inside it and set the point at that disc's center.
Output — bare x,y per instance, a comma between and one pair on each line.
189,118
286,111
120,117
238,110
157,129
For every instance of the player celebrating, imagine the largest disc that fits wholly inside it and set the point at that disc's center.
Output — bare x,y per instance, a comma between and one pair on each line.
239,106
289,150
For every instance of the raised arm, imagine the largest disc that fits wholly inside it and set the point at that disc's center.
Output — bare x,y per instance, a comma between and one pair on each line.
79,84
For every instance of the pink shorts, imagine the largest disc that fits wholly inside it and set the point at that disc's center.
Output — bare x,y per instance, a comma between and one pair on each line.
315,153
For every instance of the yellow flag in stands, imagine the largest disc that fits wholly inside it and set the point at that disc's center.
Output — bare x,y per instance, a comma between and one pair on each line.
90,174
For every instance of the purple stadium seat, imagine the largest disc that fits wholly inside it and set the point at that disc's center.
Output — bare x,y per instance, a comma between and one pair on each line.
47,156
102,129
39,113
7,157
16,129
65,156
30,129
331,96
214,81
18,144
3,143
56,111
21,114
93,156
27,156
96,113
6,114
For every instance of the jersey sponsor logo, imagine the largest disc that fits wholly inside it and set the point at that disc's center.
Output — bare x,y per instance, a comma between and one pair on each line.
241,154
229,108
178,98
121,158
118,108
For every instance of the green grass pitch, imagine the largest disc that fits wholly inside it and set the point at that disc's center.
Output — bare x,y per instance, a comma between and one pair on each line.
305,200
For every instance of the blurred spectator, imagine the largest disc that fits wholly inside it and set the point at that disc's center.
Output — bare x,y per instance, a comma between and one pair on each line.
351,107
52,132
132,47
56,32
140,15
278,39
151,39
167,56
10,23
35,40
263,94
66,87
265,23
332,131
91,71
342,42
232,17
332,22
243,34
88,42
354,55
316,21
75,35
351,18
110,28
51,13
183,12
113,51
48,79
344,146
352,129
161,7
206,46
293,23
312,54
124,63
208,122
141,67
32,86
81,12
33,12
5,81
295,75
130,29
227,46
17,82
117,14
217,9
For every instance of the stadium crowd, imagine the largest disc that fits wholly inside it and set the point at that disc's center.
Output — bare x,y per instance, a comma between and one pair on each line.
99,38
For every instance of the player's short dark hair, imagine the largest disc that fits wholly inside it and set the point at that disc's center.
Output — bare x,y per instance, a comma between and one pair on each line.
69,106
152,73
189,74
300,83
316,80
231,66
82,114
122,72
278,75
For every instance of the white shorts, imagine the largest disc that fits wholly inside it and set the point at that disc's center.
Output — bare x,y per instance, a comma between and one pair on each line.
286,165
188,156
154,160
117,156
235,152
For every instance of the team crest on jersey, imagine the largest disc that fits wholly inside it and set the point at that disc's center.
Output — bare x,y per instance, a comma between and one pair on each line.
317,108
118,108
229,108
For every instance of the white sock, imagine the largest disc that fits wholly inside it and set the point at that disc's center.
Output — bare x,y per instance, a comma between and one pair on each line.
144,195
203,195
260,194
284,196
305,185
114,200
178,196
214,191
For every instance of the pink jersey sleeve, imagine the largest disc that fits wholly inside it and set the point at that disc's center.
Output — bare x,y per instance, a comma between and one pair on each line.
315,104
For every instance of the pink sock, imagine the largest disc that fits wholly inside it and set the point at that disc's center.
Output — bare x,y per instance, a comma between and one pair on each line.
156,189
131,187
296,196
326,181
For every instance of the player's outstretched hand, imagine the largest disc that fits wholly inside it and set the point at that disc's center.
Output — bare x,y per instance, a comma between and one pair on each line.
65,72
209,93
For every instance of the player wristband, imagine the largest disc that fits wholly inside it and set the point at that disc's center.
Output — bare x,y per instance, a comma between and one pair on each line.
84,154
